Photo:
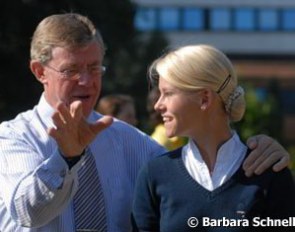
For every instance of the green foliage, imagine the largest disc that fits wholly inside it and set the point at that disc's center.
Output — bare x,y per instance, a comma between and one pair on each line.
262,114
291,150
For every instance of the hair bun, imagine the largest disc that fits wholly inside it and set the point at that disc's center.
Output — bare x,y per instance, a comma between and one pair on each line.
233,101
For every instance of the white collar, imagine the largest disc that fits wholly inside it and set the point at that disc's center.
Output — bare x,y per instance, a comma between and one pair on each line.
229,158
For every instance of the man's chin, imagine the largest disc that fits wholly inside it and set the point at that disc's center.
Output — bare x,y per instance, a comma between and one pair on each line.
87,107
87,112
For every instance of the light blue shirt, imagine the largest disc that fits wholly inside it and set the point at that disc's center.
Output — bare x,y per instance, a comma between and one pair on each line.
37,187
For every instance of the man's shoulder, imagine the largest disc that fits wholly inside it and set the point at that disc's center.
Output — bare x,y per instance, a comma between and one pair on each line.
119,127
22,121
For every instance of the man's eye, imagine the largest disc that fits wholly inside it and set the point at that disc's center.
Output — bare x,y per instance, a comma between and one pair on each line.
70,72
95,68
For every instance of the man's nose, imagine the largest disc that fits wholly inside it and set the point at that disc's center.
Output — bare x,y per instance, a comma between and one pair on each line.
85,78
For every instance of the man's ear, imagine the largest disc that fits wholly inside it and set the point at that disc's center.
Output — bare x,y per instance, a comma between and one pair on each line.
38,70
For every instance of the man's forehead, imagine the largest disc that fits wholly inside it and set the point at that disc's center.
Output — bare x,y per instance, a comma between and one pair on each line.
91,53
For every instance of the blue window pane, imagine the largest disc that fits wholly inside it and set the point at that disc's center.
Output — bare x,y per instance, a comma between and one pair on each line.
145,19
288,101
169,18
220,19
268,19
288,19
193,19
244,19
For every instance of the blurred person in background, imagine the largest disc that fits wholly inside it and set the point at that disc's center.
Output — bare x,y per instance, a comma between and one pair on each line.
120,106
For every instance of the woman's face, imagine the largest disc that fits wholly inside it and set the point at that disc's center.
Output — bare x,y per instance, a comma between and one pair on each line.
180,110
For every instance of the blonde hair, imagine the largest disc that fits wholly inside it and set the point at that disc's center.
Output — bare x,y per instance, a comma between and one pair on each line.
67,30
202,66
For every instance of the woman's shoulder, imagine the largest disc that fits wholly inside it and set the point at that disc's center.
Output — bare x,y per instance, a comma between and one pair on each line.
162,167
164,161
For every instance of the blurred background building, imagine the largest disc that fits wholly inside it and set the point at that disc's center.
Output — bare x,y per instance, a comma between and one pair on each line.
257,35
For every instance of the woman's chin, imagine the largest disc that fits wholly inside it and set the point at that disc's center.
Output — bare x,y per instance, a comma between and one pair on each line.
170,134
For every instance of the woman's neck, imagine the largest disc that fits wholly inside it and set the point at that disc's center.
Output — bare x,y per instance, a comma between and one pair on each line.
209,143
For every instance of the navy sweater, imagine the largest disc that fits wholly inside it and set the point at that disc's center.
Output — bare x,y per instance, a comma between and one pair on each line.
166,196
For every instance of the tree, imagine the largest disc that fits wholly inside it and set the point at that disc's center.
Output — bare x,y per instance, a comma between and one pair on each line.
262,114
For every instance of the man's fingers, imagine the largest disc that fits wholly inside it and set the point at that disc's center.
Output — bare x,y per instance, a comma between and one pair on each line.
254,159
63,111
261,141
252,142
250,160
252,163
270,153
281,164
76,110
261,157
266,163
266,155
270,160
53,133
58,120
101,124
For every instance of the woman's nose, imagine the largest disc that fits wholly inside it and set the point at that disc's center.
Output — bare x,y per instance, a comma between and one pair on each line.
158,105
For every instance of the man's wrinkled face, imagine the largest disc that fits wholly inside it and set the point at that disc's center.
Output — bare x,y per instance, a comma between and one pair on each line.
74,75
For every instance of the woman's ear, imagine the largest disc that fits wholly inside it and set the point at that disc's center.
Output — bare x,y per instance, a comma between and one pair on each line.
38,70
206,99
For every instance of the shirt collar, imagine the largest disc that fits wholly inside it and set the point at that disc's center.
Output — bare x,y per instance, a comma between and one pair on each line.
224,154
45,111
229,158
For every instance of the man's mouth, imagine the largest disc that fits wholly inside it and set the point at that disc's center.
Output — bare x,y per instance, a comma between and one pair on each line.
82,97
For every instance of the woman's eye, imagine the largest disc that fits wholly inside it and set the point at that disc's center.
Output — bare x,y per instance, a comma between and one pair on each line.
168,93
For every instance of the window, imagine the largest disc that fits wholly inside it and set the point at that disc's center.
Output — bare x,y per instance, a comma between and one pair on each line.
288,18
220,19
268,19
145,19
244,19
169,18
214,19
288,101
193,19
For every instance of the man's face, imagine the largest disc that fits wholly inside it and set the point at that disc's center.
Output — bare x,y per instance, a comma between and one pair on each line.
85,63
